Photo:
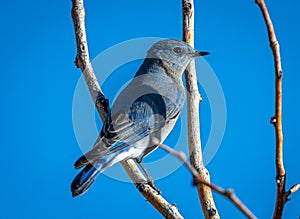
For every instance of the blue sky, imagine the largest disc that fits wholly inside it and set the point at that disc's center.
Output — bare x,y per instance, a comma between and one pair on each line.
39,79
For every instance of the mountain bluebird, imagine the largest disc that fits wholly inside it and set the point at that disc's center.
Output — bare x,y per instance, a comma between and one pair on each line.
143,114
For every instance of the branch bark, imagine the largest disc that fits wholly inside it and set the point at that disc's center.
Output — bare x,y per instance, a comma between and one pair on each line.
83,62
207,202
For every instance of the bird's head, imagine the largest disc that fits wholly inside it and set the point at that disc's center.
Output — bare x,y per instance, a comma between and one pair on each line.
174,54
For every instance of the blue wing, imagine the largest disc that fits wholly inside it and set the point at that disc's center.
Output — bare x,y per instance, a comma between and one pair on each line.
147,114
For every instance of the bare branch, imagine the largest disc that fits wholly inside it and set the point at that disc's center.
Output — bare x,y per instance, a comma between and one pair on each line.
83,62
228,193
207,202
281,198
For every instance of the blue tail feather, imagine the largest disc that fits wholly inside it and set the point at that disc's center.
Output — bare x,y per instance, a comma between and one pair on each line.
86,177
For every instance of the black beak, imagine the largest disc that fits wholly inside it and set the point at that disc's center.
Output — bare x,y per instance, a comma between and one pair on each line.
197,53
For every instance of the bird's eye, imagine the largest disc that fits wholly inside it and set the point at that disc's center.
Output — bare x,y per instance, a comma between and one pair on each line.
177,50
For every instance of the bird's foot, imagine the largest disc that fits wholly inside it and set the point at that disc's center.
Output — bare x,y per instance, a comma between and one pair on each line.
150,181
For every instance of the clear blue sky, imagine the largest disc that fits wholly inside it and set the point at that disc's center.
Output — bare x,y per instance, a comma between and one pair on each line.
38,80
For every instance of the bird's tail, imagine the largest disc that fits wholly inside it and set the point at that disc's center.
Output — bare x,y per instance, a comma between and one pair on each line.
86,177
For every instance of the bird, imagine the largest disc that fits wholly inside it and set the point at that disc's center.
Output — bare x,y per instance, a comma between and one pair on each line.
143,114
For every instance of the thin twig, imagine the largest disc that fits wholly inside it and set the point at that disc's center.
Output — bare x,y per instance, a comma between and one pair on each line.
198,179
281,197
206,199
102,105
292,190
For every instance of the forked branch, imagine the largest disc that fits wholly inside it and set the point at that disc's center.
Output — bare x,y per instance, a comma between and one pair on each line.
198,179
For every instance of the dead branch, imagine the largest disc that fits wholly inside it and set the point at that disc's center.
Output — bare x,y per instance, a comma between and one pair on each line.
83,62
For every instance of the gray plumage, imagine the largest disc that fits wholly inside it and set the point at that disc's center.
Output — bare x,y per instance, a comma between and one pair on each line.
143,114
